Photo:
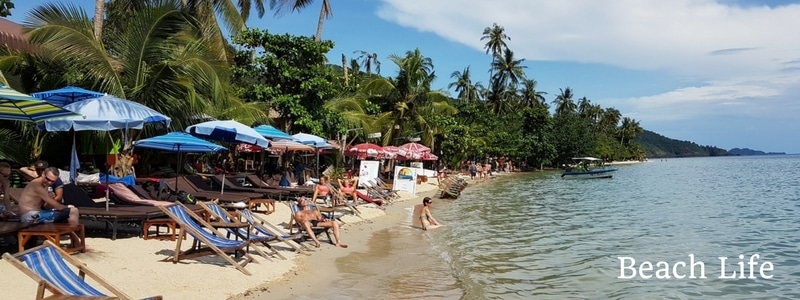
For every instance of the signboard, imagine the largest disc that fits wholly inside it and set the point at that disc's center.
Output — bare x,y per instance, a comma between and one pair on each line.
416,164
405,179
369,170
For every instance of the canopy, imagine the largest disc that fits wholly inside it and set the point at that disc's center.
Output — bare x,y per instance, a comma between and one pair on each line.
228,131
365,150
312,140
411,150
20,107
270,132
390,152
280,145
67,95
105,113
178,142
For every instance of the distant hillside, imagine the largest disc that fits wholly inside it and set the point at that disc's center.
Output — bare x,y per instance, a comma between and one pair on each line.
656,145
746,151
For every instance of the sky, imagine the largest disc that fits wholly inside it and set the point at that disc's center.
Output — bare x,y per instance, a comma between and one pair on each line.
723,73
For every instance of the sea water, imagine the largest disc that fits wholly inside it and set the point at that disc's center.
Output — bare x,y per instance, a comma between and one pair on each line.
643,234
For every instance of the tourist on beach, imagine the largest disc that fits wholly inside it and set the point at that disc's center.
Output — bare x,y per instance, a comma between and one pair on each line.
55,189
309,218
322,190
473,170
348,188
425,217
36,195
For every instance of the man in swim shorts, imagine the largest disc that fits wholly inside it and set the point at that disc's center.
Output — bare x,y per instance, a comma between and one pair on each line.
36,195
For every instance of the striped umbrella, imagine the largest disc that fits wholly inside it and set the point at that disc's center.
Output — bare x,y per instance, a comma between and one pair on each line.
20,107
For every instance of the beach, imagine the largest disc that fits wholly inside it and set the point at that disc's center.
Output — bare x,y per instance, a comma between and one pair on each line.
136,266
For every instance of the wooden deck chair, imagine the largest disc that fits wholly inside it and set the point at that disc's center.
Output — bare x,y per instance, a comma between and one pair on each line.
211,241
317,230
264,227
244,232
338,198
377,192
49,266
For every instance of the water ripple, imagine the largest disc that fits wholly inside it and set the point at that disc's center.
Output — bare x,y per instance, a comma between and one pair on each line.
538,235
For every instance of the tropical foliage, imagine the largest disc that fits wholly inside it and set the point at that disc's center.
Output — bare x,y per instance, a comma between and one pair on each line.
171,55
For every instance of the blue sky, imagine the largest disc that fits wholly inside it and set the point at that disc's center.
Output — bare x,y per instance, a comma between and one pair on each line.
724,73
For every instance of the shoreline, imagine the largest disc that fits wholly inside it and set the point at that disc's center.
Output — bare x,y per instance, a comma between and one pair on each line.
316,273
136,267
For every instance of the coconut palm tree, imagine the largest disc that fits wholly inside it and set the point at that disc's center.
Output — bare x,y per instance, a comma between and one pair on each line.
564,102
406,102
495,37
609,119
282,6
508,70
467,91
158,57
628,130
368,60
530,97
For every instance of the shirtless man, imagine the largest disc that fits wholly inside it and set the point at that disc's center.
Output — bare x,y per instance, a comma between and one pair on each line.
36,194
309,218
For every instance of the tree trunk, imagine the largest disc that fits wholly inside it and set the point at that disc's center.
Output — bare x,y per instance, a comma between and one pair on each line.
344,69
99,8
322,14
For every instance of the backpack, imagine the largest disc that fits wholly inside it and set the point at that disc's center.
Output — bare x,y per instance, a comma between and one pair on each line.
186,198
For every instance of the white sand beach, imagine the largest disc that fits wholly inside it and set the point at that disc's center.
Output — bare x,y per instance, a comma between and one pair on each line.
135,265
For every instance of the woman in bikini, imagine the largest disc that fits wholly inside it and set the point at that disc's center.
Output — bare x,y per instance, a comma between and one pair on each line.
348,188
322,190
425,216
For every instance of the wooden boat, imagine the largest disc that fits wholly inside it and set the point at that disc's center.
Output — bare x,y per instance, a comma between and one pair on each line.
588,168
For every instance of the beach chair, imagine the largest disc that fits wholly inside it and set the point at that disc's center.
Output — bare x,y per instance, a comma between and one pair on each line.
338,198
207,240
49,266
317,230
124,195
266,228
243,232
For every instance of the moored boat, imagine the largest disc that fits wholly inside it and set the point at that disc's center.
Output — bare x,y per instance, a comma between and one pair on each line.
588,168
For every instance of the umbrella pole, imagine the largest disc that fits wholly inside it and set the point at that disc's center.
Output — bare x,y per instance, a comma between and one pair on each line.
178,171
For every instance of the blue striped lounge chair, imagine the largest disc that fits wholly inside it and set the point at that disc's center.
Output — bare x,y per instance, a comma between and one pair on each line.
49,266
208,240
244,231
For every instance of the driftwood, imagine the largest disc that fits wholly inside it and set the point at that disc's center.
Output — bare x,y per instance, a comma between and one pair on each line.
123,164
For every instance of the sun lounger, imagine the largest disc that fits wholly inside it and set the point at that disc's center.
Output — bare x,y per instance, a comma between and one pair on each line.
124,195
184,185
317,230
296,191
232,185
202,186
211,241
49,266
244,232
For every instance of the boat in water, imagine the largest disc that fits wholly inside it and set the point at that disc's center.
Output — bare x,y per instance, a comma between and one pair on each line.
588,168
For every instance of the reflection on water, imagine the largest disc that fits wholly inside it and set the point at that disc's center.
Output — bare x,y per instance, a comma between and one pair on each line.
537,236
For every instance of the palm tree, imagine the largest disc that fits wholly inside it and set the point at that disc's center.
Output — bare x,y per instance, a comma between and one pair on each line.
530,97
564,102
158,56
406,102
281,6
509,70
368,60
99,9
467,91
609,120
628,130
495,37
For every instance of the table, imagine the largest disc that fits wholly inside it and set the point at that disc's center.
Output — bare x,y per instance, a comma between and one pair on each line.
269,205
53,233
172,227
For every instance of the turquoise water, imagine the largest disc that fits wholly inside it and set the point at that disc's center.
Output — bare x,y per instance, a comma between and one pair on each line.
537,236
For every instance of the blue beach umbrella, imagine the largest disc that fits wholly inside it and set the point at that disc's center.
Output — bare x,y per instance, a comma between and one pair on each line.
178,142
105,114
66,95
228,131
271,132
20,107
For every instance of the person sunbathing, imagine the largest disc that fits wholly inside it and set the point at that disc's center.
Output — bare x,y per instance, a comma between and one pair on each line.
322,191
348,188
309,218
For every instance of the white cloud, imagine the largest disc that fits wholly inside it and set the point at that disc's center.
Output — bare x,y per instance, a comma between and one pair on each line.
745,60
690,37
